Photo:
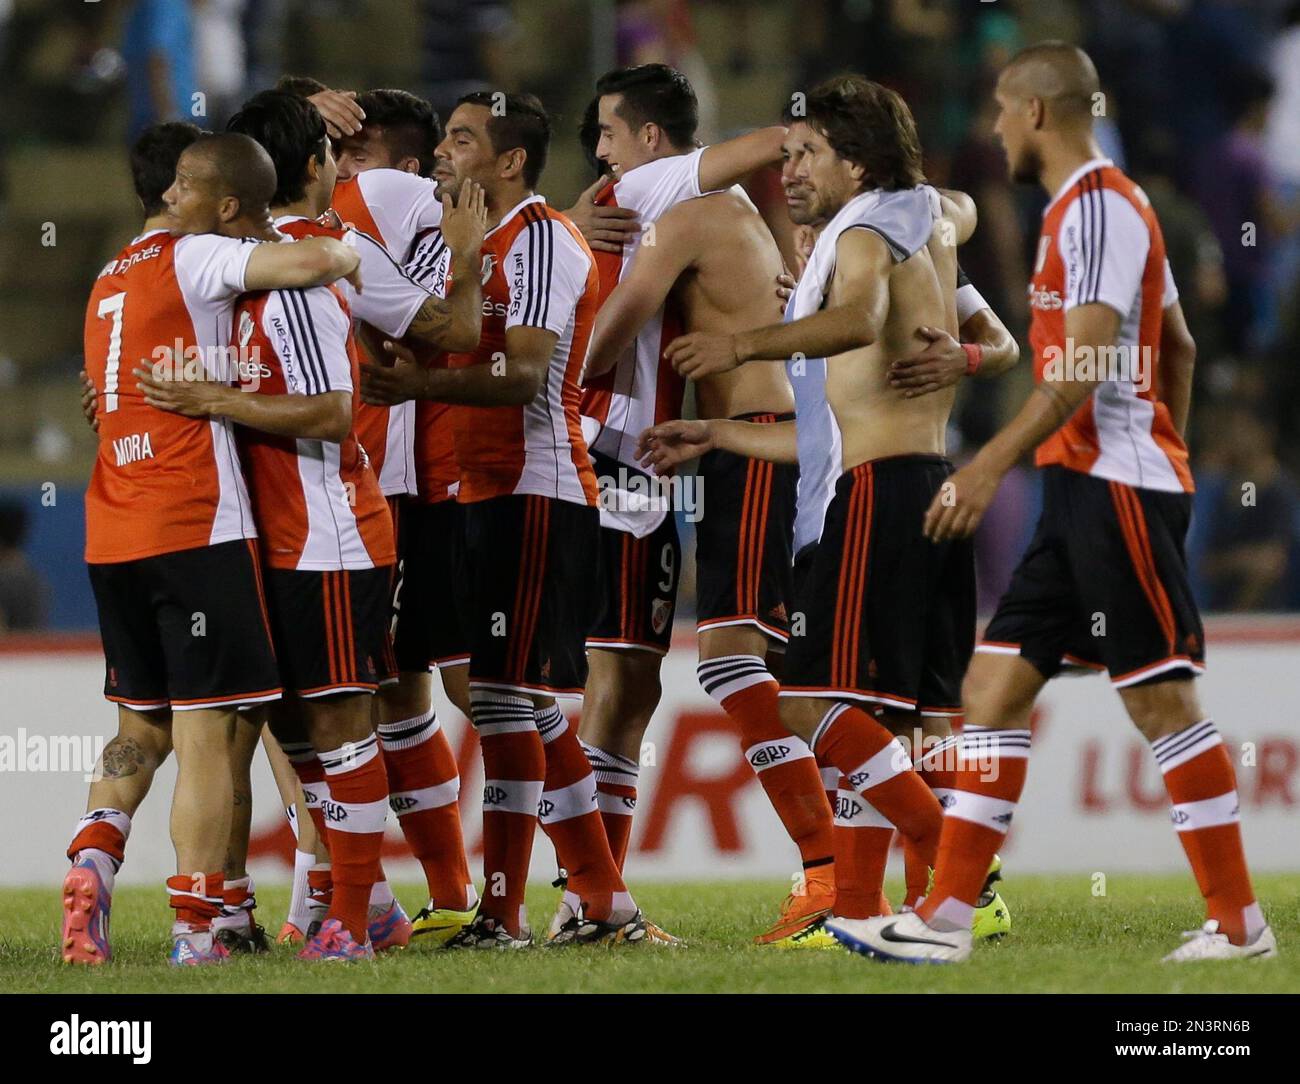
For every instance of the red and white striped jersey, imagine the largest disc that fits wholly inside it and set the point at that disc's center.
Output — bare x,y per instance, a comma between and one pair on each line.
1101,242
436,474
641,389
162,482
394,208
537,272
318,504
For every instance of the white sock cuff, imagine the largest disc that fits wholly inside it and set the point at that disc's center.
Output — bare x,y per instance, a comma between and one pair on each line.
724,677
612,767
827,721
1174,750
408,733
494,712
983,743
350,756
551,723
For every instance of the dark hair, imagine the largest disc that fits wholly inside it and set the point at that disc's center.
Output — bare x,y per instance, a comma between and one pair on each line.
589,136
871,126
13,522
302,86
291,130
410,125
153,161
655,94
516,120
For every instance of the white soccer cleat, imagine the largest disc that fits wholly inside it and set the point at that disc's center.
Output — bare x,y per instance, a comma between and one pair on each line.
903,938
1208,944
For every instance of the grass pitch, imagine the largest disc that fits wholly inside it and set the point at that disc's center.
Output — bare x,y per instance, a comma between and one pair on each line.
1064,939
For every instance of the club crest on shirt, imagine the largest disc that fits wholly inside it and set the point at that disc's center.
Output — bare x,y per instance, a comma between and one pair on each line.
245,328
489,265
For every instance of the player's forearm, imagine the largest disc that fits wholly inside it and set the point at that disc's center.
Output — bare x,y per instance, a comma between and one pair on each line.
773,442
1176,369
495,383
999,350
727,163
1048,407
313,261
309,417
617,324
821,335
455,322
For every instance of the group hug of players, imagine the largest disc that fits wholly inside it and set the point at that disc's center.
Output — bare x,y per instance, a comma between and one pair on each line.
423,411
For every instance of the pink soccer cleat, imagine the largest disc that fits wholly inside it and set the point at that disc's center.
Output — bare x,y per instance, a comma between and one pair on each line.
86,903
334,942
389,928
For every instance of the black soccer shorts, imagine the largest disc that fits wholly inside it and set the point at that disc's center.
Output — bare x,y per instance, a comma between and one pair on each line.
428,623
744,540
883,615
531,592
186,630
1103,585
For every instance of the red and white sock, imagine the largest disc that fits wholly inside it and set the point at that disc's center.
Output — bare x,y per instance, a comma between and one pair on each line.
616,780
357,810
570,816
315,789
862,840
1203,789
990,775
514,768
878,767
937,767
424,787
101,836
196,898
238,902
785,766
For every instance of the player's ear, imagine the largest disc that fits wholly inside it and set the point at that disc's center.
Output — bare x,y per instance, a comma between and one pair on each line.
228,209
1037,109
514,163
409,164
650,135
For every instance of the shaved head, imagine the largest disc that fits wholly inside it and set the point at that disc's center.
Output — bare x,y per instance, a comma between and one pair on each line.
1062,76
236,165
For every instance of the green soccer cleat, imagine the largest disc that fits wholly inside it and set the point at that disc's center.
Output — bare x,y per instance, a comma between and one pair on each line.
438,925
992,919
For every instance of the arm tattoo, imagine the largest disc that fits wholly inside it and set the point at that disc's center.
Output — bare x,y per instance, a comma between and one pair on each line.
433,317
122,757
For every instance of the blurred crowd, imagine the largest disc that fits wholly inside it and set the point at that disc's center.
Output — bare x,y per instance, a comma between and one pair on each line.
1202,107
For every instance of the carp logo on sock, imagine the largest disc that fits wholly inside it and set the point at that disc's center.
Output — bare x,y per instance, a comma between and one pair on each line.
494,795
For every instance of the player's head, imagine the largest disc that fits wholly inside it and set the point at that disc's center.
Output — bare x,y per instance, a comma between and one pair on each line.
645,112
303,86
221,181
1047,91
860,136
589,137
401,131
293,133
153,162
499,140
798,197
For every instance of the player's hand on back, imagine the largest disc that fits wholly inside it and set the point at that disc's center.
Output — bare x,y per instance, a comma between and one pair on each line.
465,224
785,286
606,229
668,445
938,364
195,398
397,379
339,108
89,401
700,354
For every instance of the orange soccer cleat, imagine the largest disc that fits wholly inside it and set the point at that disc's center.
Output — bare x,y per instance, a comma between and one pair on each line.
805,907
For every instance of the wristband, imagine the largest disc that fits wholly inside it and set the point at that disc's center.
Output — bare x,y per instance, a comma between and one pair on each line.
974,357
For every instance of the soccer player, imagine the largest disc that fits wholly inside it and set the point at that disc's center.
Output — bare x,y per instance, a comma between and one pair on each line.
862,835
711,266
531,524
888,620
179,595
1104,582
421,765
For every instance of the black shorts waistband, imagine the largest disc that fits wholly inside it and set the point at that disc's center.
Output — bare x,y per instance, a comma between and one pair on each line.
770,416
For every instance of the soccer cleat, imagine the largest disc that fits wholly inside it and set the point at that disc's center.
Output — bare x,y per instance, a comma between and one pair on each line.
436,925
487,933
252,941
806,906
657,935
814,936
992,918
289,935
86,904
389,927
901,938
335,942
589,931
197,949
1208,944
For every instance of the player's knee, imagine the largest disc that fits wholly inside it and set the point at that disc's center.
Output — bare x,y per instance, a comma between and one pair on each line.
988,700
800,715
1162,708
